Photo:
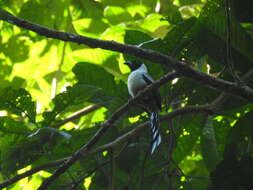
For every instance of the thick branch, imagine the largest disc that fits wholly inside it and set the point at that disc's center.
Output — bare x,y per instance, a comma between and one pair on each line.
156,57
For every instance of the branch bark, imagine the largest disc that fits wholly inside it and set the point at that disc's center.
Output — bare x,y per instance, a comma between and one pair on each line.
156,57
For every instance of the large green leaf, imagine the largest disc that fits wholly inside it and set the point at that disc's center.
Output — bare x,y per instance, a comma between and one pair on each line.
18,151
38,12
242,134
89,27
116,14
208,144
95,75
214,29
187,129
179,37
21,49
10,126
87,9
78,94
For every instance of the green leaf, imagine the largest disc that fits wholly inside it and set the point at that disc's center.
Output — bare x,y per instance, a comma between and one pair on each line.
34,12
18,101
21,47
12,132
136,37
209,146
39,12
95,75
116,14
222,131
214,25
18,151
10,126
78,94
87,9
242,134
187,128
90,27
153,23
179,36
18,82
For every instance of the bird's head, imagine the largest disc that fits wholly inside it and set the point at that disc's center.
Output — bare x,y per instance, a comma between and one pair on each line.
134,64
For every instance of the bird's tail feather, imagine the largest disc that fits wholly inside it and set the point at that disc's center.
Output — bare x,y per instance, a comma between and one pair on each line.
154,124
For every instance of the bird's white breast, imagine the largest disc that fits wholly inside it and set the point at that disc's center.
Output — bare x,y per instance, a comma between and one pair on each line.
135,82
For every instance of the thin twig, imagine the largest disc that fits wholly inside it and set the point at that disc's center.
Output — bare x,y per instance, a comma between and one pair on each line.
224,96
180,170
74,186
229,58
137,130
78,114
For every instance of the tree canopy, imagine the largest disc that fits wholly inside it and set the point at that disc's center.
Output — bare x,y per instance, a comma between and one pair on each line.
68,122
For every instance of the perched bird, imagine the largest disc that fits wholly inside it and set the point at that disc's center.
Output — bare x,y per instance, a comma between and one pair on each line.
138,79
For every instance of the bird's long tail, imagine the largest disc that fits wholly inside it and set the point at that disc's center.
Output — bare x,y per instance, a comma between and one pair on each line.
154,124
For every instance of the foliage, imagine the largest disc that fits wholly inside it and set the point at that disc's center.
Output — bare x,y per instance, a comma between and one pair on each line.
44,81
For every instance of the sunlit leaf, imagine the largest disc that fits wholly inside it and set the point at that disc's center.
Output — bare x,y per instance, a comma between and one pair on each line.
116,15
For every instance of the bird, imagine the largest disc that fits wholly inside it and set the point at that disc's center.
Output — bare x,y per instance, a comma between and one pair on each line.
138,79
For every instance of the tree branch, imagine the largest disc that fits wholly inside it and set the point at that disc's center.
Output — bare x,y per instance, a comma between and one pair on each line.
225,86
70,160
31,172
156,57
124,138
78,114
87,174
104,127
80,180
224,96
137,130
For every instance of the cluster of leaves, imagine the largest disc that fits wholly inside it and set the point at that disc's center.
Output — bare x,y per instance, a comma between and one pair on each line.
64,77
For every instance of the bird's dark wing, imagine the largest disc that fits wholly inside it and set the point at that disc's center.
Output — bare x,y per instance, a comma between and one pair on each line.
147,78
155,94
